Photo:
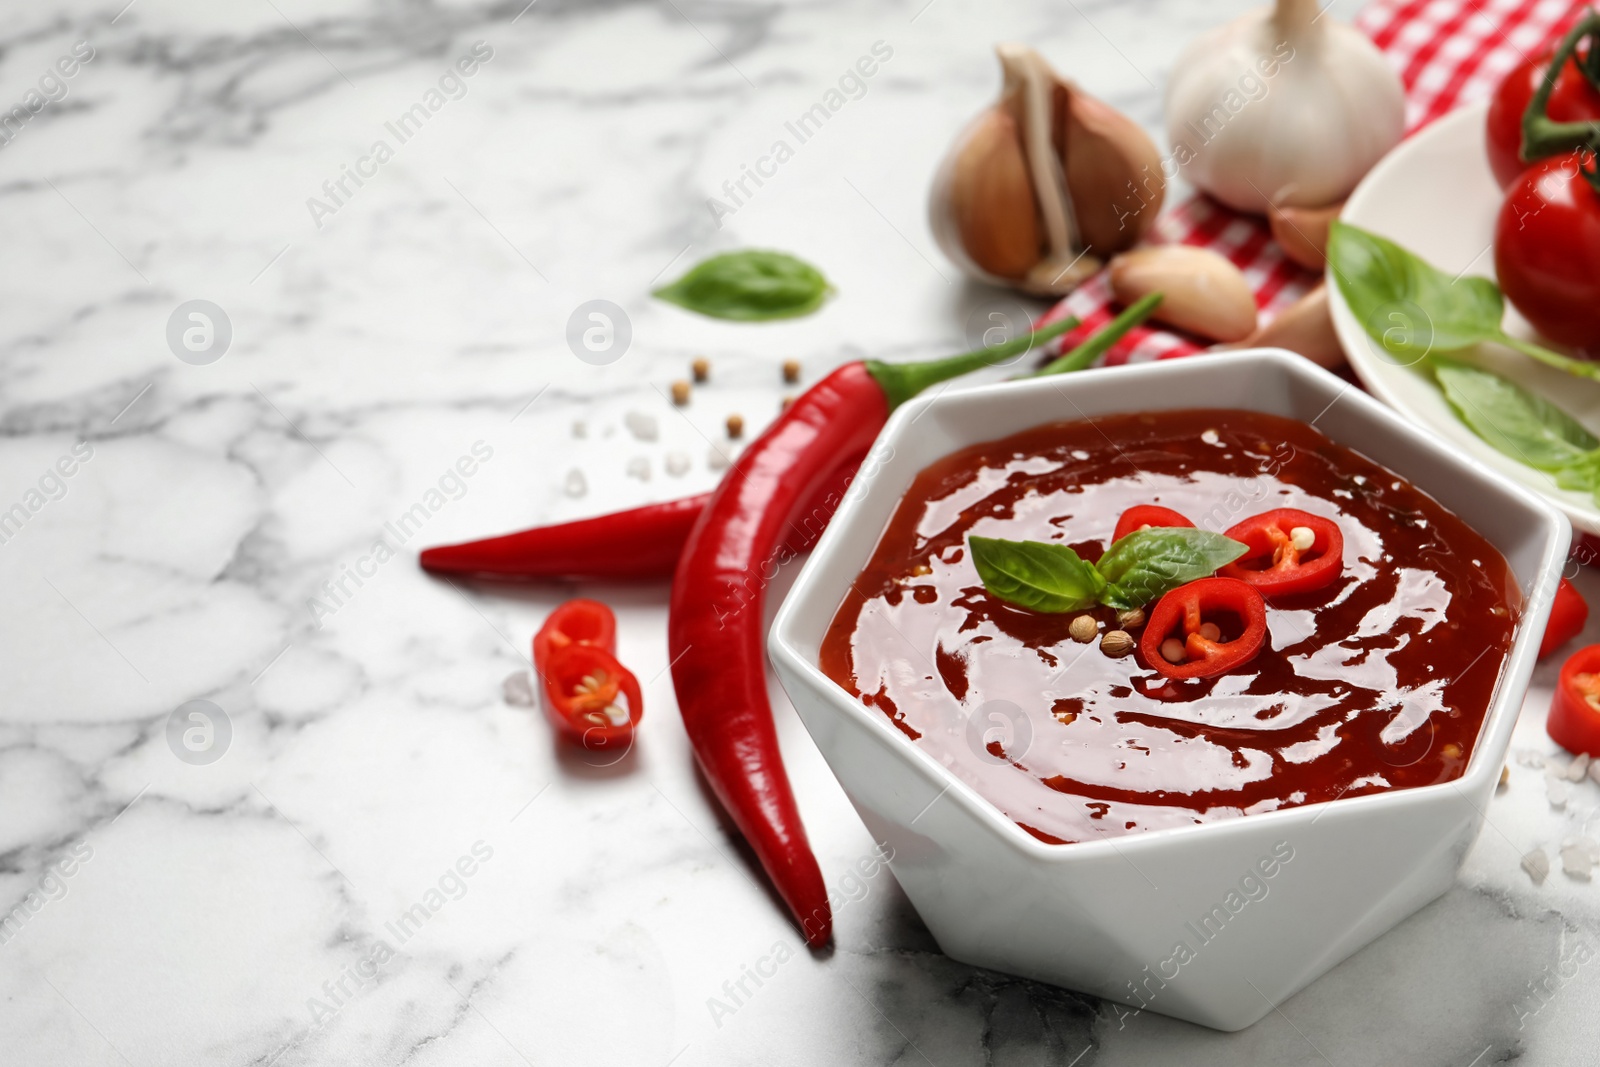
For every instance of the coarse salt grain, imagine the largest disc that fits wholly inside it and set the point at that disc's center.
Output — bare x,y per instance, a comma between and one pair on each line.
1579,768
1558,791
518,689
717,459
1527,757
642,426
639,467
1576,860
1210,437
576,484
677,464
1537,864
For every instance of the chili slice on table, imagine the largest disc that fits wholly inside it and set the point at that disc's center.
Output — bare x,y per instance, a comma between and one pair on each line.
589,697
1567,617
576,622
1141,515
1574,720
1289,551
1200,617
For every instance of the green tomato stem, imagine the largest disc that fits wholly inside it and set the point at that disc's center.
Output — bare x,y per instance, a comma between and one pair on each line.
1543,136
1113,332
902,381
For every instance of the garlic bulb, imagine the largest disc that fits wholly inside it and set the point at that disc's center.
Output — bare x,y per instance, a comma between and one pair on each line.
1040,188
1282,107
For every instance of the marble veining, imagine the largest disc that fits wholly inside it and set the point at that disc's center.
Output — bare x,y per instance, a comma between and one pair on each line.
390,862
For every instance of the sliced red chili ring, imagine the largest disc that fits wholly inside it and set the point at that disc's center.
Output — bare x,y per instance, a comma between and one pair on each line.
1234,608
1141,515
1290,551
1567,616
589,697
577,622
1574,720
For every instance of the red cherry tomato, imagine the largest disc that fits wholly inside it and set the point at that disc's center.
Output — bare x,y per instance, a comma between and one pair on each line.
1547,249
589,697
1574,721
1275,564
1233,610
1572,100
577,622
1142,515
1567,616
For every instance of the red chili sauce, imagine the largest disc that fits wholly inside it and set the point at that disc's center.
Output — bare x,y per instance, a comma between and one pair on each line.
1378,681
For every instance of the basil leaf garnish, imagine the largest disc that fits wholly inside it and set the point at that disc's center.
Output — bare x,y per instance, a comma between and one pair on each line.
1523,425
749,286
1413,309
1139,568
1036,574
1147,564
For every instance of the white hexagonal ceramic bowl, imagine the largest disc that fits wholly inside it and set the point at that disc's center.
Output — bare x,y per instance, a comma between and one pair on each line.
1107,917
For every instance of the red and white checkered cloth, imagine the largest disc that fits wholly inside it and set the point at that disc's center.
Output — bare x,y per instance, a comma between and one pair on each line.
1448,52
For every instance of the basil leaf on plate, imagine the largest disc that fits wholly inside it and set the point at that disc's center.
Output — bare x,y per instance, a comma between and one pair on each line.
1521,424
749,286
1407,305
1036,574
1412,308
1147,564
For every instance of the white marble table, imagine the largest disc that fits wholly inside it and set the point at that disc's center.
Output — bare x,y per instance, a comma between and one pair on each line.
264,907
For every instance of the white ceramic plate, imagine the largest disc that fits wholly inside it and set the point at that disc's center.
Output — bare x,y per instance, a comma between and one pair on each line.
1435,196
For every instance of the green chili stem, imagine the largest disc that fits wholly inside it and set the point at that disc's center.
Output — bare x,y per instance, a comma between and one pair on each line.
1113,332
902,381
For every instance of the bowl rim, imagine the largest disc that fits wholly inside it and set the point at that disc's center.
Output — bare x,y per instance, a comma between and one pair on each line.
1499,719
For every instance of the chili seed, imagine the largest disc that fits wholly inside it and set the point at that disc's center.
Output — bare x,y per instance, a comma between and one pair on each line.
791,370
1116,643
1451,751
680,392
701,369
1172,650
785,403
1210,631
1505,775
1302,538
1083,628
735,427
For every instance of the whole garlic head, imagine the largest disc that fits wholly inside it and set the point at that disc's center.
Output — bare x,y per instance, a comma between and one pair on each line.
1282,107
1039,189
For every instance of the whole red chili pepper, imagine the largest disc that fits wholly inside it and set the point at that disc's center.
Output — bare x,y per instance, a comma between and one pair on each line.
715,622
640,544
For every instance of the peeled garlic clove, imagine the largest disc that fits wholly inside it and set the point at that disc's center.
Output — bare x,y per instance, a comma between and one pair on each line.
1302,232
1204,293
1039,189
1306,327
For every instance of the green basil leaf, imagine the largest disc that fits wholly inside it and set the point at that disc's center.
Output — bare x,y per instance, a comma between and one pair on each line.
749,286
1523,425
1036,574
1146,564
1407,305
